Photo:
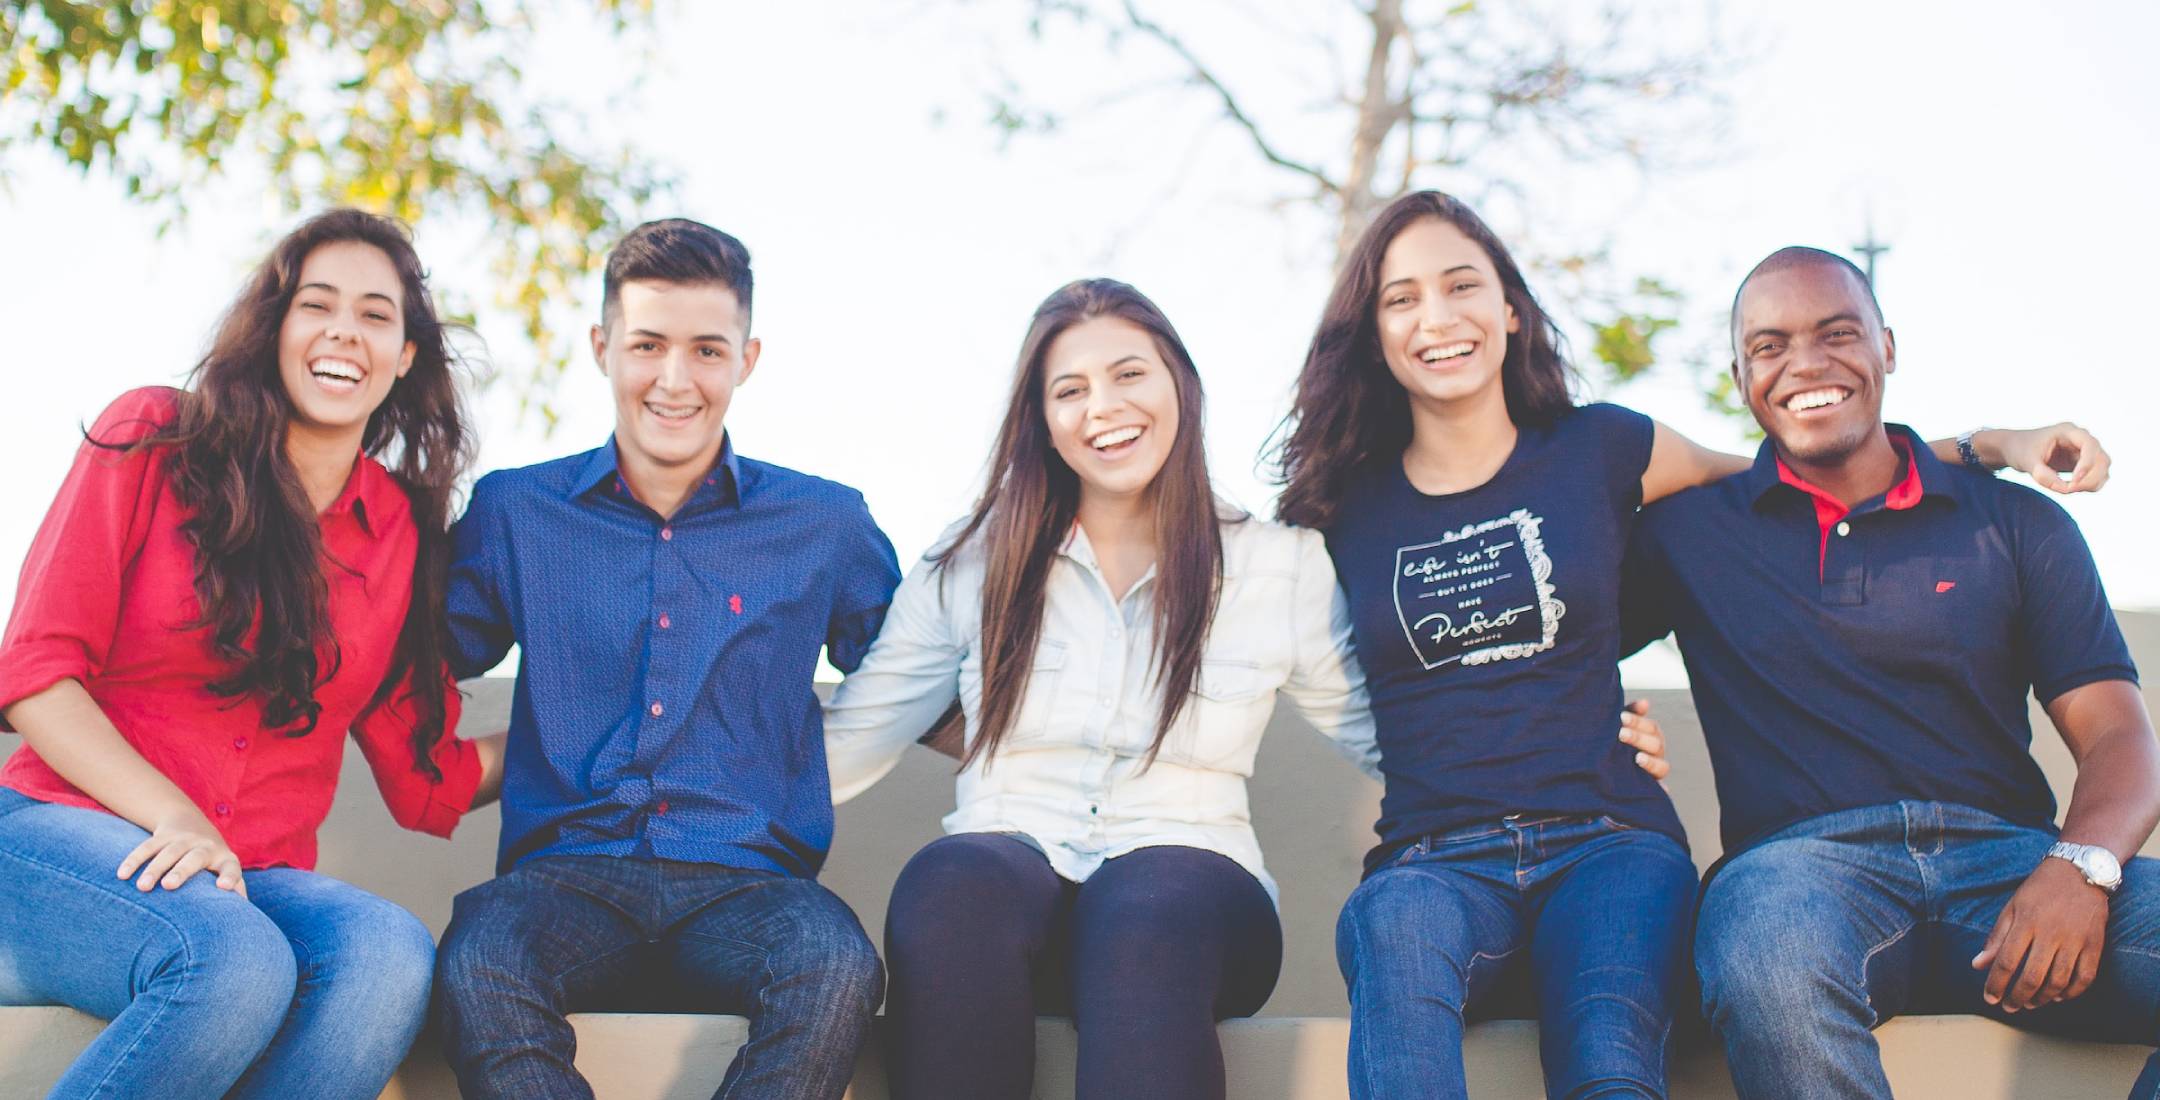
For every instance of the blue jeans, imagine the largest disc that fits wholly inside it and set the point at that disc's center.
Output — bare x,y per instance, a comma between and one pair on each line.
306,987
1599,912
561,934
1811,938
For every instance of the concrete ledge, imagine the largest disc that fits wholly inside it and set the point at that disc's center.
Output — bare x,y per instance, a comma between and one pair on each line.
682,1057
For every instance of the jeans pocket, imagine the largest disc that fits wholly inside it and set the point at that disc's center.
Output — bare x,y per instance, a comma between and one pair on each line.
1614,824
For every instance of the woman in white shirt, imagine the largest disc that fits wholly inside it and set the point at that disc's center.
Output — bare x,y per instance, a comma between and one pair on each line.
1116,638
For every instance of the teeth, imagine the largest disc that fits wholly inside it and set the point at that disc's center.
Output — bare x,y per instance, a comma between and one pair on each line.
336,368
672,412
1114,437
1451,351
1814,399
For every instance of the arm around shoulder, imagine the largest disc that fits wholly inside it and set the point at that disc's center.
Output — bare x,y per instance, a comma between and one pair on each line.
1326,684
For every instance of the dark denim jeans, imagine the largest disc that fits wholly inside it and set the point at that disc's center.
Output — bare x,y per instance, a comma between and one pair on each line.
1599,912
306,987
1814,936
561,934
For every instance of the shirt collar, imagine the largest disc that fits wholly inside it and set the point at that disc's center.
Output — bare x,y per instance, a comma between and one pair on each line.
602,471
1925,475
370,494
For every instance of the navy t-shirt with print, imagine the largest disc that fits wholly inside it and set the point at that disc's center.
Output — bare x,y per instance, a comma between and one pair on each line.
1488,625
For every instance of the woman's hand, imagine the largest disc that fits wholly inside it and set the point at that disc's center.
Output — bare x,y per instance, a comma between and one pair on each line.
1640,730
2043,453
178,848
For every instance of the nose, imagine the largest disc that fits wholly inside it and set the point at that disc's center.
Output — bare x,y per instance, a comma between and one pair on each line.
1102,401
675,369
1435,313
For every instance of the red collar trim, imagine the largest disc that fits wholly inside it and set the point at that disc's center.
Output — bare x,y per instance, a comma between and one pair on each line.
1829,509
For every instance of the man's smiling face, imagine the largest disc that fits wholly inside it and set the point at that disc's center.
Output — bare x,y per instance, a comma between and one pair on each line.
1810,354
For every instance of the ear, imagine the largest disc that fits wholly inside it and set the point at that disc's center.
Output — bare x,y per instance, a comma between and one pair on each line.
599,347
405,358
1514,323
1889,351
750,350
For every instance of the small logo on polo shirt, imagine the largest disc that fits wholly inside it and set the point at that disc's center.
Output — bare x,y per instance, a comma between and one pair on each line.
734,603
1944,586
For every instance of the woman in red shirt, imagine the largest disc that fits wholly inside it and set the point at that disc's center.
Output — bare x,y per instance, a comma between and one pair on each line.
228,581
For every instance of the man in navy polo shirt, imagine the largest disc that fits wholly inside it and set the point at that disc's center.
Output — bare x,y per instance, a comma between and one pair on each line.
665,798
1861,625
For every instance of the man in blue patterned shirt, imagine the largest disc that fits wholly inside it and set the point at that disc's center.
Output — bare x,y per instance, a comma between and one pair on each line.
665,799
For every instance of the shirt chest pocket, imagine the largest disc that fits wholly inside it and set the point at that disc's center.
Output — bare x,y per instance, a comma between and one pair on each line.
1041,712
1222,722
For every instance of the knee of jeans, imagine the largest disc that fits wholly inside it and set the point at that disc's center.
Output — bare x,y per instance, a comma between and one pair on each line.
240,961
844,969
380,957
480,961
1398,925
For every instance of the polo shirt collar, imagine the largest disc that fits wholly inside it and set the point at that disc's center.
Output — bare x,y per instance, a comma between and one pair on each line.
602,471
1925,475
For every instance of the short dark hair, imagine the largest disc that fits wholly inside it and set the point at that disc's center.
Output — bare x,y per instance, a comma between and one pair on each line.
1800,255
676,250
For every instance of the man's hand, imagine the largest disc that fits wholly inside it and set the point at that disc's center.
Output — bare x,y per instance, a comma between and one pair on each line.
1640,730
2042,453
2055,926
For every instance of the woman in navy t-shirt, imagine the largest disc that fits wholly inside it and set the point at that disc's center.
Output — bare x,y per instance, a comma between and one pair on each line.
1477,518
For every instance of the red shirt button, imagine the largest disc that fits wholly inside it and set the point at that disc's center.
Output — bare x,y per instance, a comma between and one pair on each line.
656,709
223,809
666,533
663,620
661,808
240,743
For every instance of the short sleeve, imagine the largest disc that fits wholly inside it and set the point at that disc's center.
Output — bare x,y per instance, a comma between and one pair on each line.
481,630
69,596
869,571
2067,634
1624,438
417,801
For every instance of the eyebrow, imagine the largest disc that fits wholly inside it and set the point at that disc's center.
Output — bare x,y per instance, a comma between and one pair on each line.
1135,357
708,337
334,290
1847,318
1471,268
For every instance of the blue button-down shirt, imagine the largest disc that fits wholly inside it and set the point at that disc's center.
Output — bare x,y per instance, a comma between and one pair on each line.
664,705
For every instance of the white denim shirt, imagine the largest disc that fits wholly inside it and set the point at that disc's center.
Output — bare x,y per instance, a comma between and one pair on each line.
1068,773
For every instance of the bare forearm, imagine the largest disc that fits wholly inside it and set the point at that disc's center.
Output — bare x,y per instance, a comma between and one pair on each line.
2116,802
490,749
69,731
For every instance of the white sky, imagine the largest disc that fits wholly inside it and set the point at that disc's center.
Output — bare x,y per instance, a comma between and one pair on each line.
2007,150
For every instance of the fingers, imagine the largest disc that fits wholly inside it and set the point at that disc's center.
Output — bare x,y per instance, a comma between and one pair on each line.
2056,986
141,854
164,860
2025,990
227,867
194,860
2082,976
2076,452
1643,733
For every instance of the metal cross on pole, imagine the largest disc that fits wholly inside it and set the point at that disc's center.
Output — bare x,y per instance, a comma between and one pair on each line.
1869,249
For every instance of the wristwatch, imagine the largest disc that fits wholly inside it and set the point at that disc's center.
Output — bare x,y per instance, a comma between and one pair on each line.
2097,864
1967,455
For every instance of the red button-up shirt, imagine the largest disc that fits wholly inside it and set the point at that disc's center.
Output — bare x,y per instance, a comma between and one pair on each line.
106,596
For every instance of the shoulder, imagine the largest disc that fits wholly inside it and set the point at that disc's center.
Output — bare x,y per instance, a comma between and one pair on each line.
1694,507
2027,514
780,483
1257,546
136,414
515,482
1606,416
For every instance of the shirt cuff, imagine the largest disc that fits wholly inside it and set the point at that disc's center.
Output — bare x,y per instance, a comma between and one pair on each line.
448,801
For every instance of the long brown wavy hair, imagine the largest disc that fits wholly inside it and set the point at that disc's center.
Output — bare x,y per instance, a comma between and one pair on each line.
258,550
1349,411
1031,500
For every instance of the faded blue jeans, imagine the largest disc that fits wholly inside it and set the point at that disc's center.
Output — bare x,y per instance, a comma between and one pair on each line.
1596,913
306,987
1812,937
561,934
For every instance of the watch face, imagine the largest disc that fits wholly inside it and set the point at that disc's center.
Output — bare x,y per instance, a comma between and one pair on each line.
2100,866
